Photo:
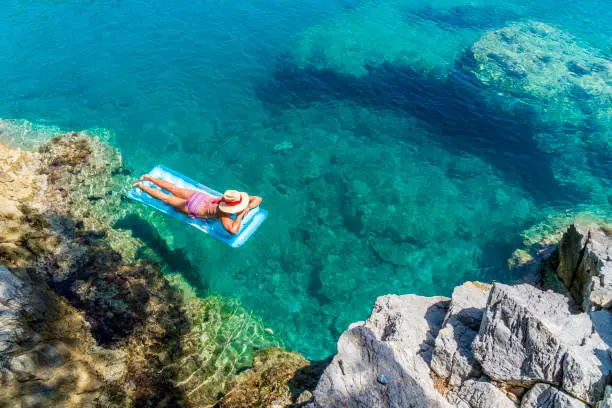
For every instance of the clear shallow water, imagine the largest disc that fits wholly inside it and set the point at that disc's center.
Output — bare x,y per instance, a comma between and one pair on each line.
386,168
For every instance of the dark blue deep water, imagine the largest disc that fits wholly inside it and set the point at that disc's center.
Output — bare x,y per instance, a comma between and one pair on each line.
400,146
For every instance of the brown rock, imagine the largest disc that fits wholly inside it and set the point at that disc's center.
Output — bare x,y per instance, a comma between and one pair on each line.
60,255
278,378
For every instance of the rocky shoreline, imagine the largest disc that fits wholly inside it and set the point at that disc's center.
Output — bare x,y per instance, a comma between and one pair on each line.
83,322
494,345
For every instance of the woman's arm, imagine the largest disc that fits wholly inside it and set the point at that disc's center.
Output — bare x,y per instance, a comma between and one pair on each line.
254,201
233,226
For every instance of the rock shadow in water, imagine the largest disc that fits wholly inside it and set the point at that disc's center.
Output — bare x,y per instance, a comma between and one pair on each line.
315,285
176,259
457,111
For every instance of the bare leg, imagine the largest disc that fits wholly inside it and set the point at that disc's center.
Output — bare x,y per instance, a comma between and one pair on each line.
178,203
183,193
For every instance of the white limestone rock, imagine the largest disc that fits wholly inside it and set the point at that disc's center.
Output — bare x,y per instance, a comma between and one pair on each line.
529,336
410,319
453,357
381,363
547,396
479,394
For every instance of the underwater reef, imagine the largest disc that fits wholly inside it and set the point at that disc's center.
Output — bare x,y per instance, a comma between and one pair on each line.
567,84
386,32
523,71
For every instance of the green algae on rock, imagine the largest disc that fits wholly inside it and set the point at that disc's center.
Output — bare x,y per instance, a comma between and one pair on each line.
278,378
89,179
551,229
539,238
538,60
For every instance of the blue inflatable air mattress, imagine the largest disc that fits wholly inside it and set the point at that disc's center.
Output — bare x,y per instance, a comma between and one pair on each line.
250,223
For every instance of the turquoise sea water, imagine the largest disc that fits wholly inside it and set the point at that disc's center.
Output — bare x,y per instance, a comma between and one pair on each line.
387,165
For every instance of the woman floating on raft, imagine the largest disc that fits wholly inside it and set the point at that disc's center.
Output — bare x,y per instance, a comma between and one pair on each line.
199,205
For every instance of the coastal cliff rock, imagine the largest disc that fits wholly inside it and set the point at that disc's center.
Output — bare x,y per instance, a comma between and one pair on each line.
585,267
383,361
528,336
607,400
18,187
47,356
453,358
17,301
89,327
547,396
479,394
496,346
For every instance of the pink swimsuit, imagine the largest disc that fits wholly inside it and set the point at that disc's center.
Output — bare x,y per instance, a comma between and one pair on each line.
201,205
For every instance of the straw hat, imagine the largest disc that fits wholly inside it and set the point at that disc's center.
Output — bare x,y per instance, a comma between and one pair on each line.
233,202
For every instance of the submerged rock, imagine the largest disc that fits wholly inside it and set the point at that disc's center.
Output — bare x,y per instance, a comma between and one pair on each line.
538,60
355,42
278,378
565,83
395,253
